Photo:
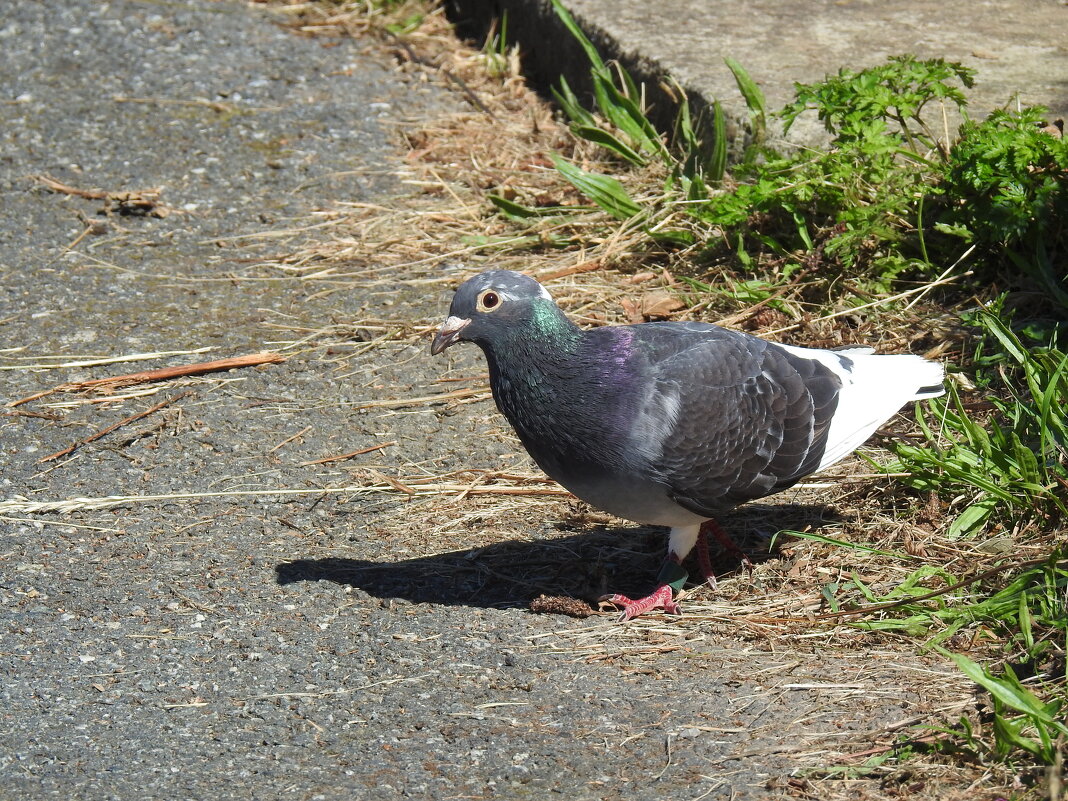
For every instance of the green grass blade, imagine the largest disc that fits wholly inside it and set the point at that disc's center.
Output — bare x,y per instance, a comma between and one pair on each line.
569,102
684,131
1008,340
605,191
864,589
971,519
754,100
1009,692
700,286
717,164
1007,732
1051,403
519,213
802,230
828,592
599,136
753,94
624,113
1023,615
591,52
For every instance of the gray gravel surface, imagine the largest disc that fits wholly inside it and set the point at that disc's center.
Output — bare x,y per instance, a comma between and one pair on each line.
309,646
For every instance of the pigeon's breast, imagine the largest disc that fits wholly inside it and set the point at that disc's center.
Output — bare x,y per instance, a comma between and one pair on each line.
596,422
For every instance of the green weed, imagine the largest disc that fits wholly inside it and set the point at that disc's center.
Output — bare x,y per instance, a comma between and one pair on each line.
498,58
1007,175
1006,181
1013,468
889,197
621,126
628,134
883,106
1029,616
1010,471
1021,719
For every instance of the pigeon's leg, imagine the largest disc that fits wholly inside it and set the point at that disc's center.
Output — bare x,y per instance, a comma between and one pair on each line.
725,541
671,579
704,561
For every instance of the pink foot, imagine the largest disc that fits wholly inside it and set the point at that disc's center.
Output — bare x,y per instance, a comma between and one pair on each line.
661,597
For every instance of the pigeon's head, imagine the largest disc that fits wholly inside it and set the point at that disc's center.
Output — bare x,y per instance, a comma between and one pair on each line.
490,304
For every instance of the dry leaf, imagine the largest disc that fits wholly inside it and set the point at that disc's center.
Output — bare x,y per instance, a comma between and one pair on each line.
660,305
631,310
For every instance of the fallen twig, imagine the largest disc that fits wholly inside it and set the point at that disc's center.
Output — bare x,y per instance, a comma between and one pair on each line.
221,108
344,456
109,429
24,413
300,433
574,269
66,189
145,201
161,374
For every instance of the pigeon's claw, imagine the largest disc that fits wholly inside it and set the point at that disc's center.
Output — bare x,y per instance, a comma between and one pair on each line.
660,598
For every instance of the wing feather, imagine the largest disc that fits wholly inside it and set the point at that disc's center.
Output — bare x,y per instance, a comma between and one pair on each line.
751,418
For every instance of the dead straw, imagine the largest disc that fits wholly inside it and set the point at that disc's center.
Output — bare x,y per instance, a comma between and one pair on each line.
344,456
417,486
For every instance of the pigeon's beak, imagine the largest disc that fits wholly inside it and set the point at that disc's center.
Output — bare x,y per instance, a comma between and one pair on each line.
449,333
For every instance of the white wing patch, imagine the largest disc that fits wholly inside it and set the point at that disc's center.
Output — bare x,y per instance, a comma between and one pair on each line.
874,388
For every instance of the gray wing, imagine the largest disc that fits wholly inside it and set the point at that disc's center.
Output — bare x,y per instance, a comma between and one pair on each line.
752,418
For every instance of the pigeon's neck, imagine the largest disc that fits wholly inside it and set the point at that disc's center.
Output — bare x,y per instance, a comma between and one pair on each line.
552,328
546,337
531,362
569,394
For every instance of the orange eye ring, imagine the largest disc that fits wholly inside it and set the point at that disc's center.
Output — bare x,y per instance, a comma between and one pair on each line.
488,300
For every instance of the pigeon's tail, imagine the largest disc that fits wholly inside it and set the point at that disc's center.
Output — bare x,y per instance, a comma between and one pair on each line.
932,391
918,376
874,388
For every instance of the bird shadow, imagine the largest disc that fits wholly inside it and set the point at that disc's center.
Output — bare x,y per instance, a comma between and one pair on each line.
585,565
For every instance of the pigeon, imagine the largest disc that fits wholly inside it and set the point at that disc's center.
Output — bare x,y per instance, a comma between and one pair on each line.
672,423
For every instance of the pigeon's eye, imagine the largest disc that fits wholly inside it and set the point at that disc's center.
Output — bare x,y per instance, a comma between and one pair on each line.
488,300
